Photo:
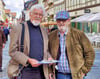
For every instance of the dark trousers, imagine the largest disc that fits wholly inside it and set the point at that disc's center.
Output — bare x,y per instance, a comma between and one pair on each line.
0,57
31,73
63,76
6,35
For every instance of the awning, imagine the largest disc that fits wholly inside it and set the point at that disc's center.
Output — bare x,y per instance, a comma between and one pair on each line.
44,23
90,17
48,23
82,18
95,18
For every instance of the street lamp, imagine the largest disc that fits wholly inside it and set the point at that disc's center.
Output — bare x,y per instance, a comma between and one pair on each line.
65,5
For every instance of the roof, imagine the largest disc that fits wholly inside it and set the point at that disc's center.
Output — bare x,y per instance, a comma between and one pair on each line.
13,14
7,11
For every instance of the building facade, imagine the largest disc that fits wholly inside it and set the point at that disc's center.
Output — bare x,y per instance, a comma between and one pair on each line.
76,8
2,12
10,17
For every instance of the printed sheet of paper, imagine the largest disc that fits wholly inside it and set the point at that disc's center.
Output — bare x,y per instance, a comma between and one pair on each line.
48,62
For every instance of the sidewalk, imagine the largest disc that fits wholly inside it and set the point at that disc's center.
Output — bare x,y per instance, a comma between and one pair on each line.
95,71
6,58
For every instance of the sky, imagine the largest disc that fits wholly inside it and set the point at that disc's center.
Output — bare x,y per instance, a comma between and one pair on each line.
15,6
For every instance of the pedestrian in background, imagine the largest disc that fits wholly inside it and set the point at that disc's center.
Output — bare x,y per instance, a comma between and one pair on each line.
6,32
72,48
2,45
35,48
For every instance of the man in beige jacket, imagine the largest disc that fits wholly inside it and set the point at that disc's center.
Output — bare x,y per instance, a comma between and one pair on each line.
72,48
35,48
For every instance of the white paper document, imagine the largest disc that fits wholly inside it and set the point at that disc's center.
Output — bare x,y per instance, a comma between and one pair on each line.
48,62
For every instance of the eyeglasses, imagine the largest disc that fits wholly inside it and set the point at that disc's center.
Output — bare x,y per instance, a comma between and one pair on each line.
63,20
39,14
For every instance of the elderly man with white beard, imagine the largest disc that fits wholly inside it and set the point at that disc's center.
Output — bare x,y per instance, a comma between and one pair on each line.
35,48
72,48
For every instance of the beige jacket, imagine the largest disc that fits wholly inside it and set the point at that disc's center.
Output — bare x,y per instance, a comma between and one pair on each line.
79,51
18,57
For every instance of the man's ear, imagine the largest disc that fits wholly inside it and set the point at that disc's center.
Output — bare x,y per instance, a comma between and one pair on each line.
69,20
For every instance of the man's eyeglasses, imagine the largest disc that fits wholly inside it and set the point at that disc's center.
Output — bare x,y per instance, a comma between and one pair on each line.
63,20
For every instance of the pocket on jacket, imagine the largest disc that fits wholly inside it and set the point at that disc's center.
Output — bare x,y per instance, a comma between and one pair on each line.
13,69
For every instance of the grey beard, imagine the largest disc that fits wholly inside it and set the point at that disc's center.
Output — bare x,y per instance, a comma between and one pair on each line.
63,29
35,24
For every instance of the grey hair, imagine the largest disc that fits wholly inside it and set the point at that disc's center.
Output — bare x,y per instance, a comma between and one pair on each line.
37,6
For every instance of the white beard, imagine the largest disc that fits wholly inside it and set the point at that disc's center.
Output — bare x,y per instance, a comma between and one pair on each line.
35,23
63,29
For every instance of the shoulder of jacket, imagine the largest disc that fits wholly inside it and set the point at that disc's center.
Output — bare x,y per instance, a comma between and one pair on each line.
53,33
17,27
44,29
76,31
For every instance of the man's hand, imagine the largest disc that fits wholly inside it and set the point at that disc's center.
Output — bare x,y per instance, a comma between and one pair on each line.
50,59
51,76
83,76
33,62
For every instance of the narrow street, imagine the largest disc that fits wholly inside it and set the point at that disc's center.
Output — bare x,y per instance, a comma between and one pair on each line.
6,58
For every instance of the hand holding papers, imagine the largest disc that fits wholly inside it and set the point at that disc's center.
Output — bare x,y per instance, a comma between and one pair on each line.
48,62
